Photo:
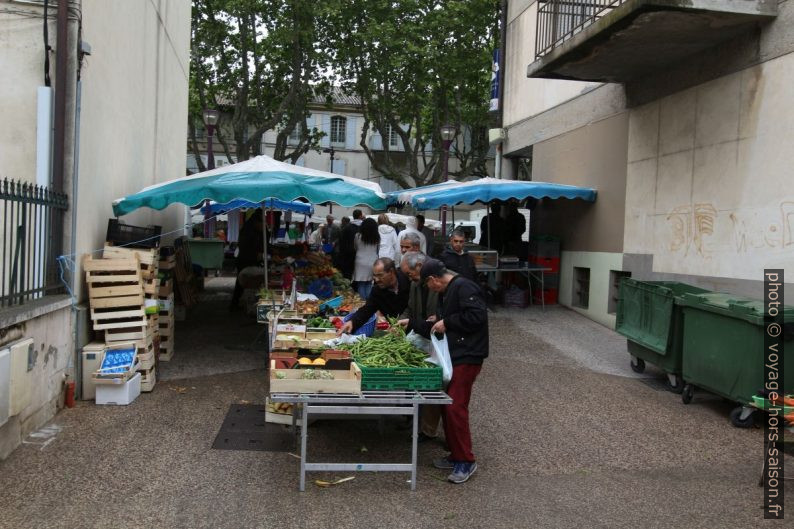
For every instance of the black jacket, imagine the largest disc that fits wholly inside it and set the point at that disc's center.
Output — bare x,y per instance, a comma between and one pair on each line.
465,315
461,264
390,304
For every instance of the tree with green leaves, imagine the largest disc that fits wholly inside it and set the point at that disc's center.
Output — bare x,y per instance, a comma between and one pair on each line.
260,60
416,65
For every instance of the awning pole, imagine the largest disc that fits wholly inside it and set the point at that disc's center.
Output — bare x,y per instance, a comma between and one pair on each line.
488,216
264,238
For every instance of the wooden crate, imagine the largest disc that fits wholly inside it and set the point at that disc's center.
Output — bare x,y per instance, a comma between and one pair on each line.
115,292
148,379
166,288
166,348
167,326
147,360
149,258
167,263
344,381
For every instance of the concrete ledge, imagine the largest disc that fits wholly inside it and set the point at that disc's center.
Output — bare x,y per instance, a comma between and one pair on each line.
33,309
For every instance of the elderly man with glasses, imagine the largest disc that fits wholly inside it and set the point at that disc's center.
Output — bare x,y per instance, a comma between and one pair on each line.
389,296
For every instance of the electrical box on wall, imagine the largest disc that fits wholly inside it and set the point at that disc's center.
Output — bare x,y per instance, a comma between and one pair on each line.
5,385
22,362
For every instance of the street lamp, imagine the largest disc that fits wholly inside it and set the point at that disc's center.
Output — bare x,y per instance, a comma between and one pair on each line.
210,117
447,135
330,150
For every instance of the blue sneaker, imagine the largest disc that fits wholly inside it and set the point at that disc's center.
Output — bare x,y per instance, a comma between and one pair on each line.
461,472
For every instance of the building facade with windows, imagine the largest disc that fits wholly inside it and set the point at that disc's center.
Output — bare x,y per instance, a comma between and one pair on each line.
113,123
678,114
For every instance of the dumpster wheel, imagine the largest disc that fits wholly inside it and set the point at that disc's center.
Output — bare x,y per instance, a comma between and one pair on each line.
637,364
675,383
688,393
743,417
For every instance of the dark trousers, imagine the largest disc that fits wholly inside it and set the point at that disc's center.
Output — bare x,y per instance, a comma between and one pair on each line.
456,415
238,288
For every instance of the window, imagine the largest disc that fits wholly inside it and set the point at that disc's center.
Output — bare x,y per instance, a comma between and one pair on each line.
338,130
294,136
394,138
581,287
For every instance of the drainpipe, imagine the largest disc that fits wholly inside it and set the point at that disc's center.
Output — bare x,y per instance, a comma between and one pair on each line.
501,83
59,143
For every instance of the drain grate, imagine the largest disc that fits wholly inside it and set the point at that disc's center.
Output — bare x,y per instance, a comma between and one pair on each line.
244,428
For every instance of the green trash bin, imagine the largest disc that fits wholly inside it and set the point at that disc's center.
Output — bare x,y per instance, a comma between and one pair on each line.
724,349
207,253
649,315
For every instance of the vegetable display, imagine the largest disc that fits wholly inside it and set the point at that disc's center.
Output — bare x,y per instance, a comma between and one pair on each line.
316,374
319,323
391,350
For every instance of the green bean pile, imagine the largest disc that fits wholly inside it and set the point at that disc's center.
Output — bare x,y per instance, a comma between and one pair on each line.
387,351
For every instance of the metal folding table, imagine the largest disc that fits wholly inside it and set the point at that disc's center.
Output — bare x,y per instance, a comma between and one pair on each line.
530,272
402,402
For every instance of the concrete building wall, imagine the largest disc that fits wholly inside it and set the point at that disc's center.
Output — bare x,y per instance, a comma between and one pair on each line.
708,188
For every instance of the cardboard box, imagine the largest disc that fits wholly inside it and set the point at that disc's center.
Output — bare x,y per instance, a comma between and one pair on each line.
119,394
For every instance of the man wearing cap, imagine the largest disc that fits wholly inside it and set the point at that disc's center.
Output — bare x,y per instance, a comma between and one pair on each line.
389,295
462,317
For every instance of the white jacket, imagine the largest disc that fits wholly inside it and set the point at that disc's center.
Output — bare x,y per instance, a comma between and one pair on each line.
389,244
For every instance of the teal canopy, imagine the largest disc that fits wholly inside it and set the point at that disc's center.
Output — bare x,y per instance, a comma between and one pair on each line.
256,180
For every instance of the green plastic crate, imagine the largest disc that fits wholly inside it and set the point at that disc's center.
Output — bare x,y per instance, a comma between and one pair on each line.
419,378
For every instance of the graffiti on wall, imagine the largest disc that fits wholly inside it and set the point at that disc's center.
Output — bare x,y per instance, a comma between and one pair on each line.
691,225
701,230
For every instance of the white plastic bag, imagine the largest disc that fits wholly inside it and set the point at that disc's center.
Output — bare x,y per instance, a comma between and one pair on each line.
440,357
420,342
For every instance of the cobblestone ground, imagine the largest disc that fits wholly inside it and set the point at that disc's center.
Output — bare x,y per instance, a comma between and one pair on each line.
565,435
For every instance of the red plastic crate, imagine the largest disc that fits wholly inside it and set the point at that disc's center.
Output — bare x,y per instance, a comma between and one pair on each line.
546,262
549,296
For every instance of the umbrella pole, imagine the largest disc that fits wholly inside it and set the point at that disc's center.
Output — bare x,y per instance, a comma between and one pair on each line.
488,216
264,249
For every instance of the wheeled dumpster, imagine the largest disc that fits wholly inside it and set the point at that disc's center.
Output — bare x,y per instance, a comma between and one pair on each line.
724,349
649,316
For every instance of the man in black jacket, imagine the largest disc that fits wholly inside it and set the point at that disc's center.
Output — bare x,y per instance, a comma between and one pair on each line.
389,295
457,259
463,318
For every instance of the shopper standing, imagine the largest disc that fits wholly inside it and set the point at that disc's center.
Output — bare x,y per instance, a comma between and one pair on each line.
346,257
457,259
389,245
463,318
366,244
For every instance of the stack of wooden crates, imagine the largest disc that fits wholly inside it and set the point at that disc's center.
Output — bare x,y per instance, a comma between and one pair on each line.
166,305
123,291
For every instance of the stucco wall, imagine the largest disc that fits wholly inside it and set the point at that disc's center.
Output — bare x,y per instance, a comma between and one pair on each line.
708,188
134,109
600,265
525,97
590,156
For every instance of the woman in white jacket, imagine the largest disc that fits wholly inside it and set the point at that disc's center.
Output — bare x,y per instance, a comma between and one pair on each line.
389,244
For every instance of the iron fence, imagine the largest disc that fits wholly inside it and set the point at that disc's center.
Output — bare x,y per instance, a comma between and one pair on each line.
32,229
559,20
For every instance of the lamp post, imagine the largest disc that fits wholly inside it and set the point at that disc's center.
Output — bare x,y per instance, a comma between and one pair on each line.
447,135
331,151
210,117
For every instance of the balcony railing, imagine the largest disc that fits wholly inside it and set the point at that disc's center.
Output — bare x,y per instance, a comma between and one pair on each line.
559,20
30,221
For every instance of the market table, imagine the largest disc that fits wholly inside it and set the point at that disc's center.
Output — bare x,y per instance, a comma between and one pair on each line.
529,272
396,402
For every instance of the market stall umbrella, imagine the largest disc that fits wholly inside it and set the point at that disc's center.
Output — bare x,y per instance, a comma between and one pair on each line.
256,180
488,189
